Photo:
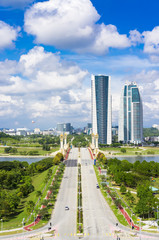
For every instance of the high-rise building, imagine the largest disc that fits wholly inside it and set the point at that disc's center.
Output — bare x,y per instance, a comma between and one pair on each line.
101,108
64,128
130,115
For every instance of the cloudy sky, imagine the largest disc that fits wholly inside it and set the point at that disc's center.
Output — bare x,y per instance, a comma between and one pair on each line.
49,49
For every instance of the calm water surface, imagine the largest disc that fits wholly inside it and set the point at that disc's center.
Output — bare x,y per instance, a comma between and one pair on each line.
21,159
132,159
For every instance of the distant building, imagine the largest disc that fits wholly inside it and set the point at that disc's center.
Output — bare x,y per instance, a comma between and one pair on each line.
10,132
64,128
152,139
88,129
101,108
130,115
48,132
37,131
114,131
21,131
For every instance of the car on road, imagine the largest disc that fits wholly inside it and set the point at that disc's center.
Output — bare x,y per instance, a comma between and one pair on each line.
97,186
66,208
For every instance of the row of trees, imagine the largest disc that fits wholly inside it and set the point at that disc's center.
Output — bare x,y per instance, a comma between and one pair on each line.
147,169
135,175
80,140
17,177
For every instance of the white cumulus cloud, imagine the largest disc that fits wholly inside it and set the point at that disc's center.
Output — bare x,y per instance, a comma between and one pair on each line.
42,85
151,41
8,34
70,24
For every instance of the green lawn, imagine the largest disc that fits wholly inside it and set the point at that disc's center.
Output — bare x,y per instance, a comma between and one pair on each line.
39,183
132,150
22,150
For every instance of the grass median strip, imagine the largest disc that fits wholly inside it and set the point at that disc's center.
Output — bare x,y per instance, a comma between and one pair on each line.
79,202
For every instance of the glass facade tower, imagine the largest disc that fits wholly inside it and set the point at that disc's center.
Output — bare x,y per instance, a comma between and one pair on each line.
101,108
130,115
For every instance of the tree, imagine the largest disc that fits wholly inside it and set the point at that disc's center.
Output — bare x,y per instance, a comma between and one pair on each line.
123,150
38,193
10,150
30,206
46,147
130,197
117,202
44,213
146,201
123,189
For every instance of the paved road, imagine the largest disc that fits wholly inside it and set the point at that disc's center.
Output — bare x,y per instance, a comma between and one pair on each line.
63,220
98,218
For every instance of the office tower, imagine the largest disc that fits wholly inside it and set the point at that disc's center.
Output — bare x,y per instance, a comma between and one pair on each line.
130,115
64,127
101,108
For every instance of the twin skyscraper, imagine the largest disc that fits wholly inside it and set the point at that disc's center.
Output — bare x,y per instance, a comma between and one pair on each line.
130,111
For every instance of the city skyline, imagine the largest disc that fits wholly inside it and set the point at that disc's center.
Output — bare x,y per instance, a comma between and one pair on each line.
45,72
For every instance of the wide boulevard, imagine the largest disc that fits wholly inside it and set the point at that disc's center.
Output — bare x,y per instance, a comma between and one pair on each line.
99,223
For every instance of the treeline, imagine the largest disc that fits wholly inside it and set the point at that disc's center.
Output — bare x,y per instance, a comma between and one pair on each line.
135,175
150,132
80,141
45,140
148,169
16,181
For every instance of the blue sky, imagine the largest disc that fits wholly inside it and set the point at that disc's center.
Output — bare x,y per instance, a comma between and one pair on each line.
49,49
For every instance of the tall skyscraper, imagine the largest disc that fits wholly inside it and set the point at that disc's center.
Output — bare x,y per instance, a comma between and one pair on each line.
130,115
101,108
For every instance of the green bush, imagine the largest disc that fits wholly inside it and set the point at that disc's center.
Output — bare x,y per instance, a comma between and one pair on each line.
123,150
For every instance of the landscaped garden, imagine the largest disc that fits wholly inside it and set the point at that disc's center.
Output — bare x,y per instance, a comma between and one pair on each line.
24,187
129,186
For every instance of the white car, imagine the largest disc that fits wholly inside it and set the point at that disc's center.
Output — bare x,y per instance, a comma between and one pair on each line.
66,208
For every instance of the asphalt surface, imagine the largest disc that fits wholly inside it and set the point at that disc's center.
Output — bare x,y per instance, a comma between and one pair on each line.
64,221
99,221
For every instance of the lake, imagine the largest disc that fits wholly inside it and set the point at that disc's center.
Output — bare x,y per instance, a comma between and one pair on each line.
21,159
132,159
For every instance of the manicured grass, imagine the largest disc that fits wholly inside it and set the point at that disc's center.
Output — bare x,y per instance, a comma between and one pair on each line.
38,183
132,150
22,150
